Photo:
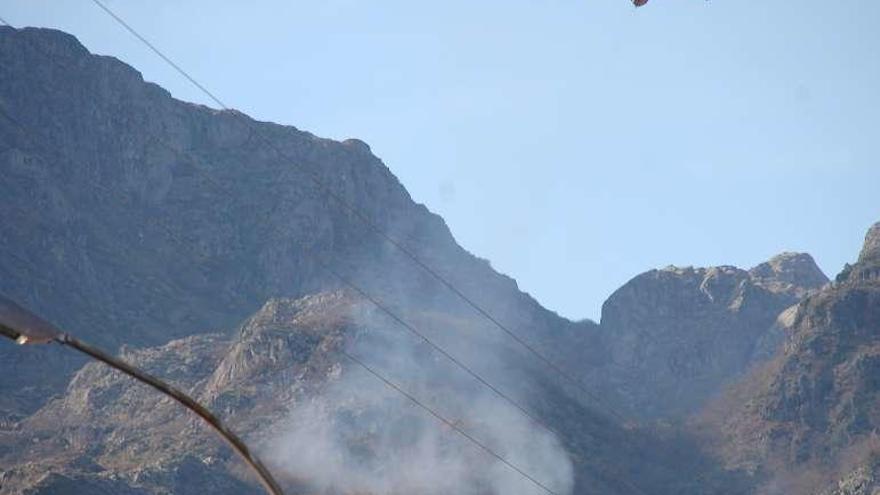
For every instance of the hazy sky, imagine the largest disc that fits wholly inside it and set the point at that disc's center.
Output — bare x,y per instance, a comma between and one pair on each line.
575,144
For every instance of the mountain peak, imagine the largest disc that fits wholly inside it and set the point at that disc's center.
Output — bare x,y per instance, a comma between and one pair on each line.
52,41
797,269
871,249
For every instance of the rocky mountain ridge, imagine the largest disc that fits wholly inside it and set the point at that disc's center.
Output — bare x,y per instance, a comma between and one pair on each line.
810,417
166,230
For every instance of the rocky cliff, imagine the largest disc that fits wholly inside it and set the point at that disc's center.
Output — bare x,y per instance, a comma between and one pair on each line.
809,418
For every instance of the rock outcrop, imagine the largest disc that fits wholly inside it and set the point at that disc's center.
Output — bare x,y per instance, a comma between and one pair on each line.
810,416
871,251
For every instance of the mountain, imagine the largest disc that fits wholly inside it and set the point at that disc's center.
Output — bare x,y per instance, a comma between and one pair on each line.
133,218
155,227
676,336
247,262
809,418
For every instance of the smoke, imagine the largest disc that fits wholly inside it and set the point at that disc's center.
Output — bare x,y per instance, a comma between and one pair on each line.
360,437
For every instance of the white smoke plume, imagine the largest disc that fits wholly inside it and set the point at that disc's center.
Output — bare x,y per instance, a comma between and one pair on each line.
361,437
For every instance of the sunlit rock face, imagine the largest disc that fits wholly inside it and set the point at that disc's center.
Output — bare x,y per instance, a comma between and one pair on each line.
795,274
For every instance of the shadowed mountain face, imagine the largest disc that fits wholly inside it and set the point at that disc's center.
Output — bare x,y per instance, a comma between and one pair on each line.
810,417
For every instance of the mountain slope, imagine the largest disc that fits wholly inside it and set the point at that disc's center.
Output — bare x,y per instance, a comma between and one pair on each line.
810,417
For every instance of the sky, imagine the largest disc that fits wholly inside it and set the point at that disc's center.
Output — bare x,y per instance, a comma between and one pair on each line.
574,144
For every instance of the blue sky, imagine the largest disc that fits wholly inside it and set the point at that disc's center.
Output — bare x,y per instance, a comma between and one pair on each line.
574,144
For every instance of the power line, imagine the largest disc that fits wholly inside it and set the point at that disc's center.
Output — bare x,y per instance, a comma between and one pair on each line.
367,221
447,422
413,330
420,335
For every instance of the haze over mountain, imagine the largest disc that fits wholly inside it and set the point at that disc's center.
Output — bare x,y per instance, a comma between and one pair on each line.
173,234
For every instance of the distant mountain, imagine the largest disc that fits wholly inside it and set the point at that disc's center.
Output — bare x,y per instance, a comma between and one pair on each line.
675,336
810,417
